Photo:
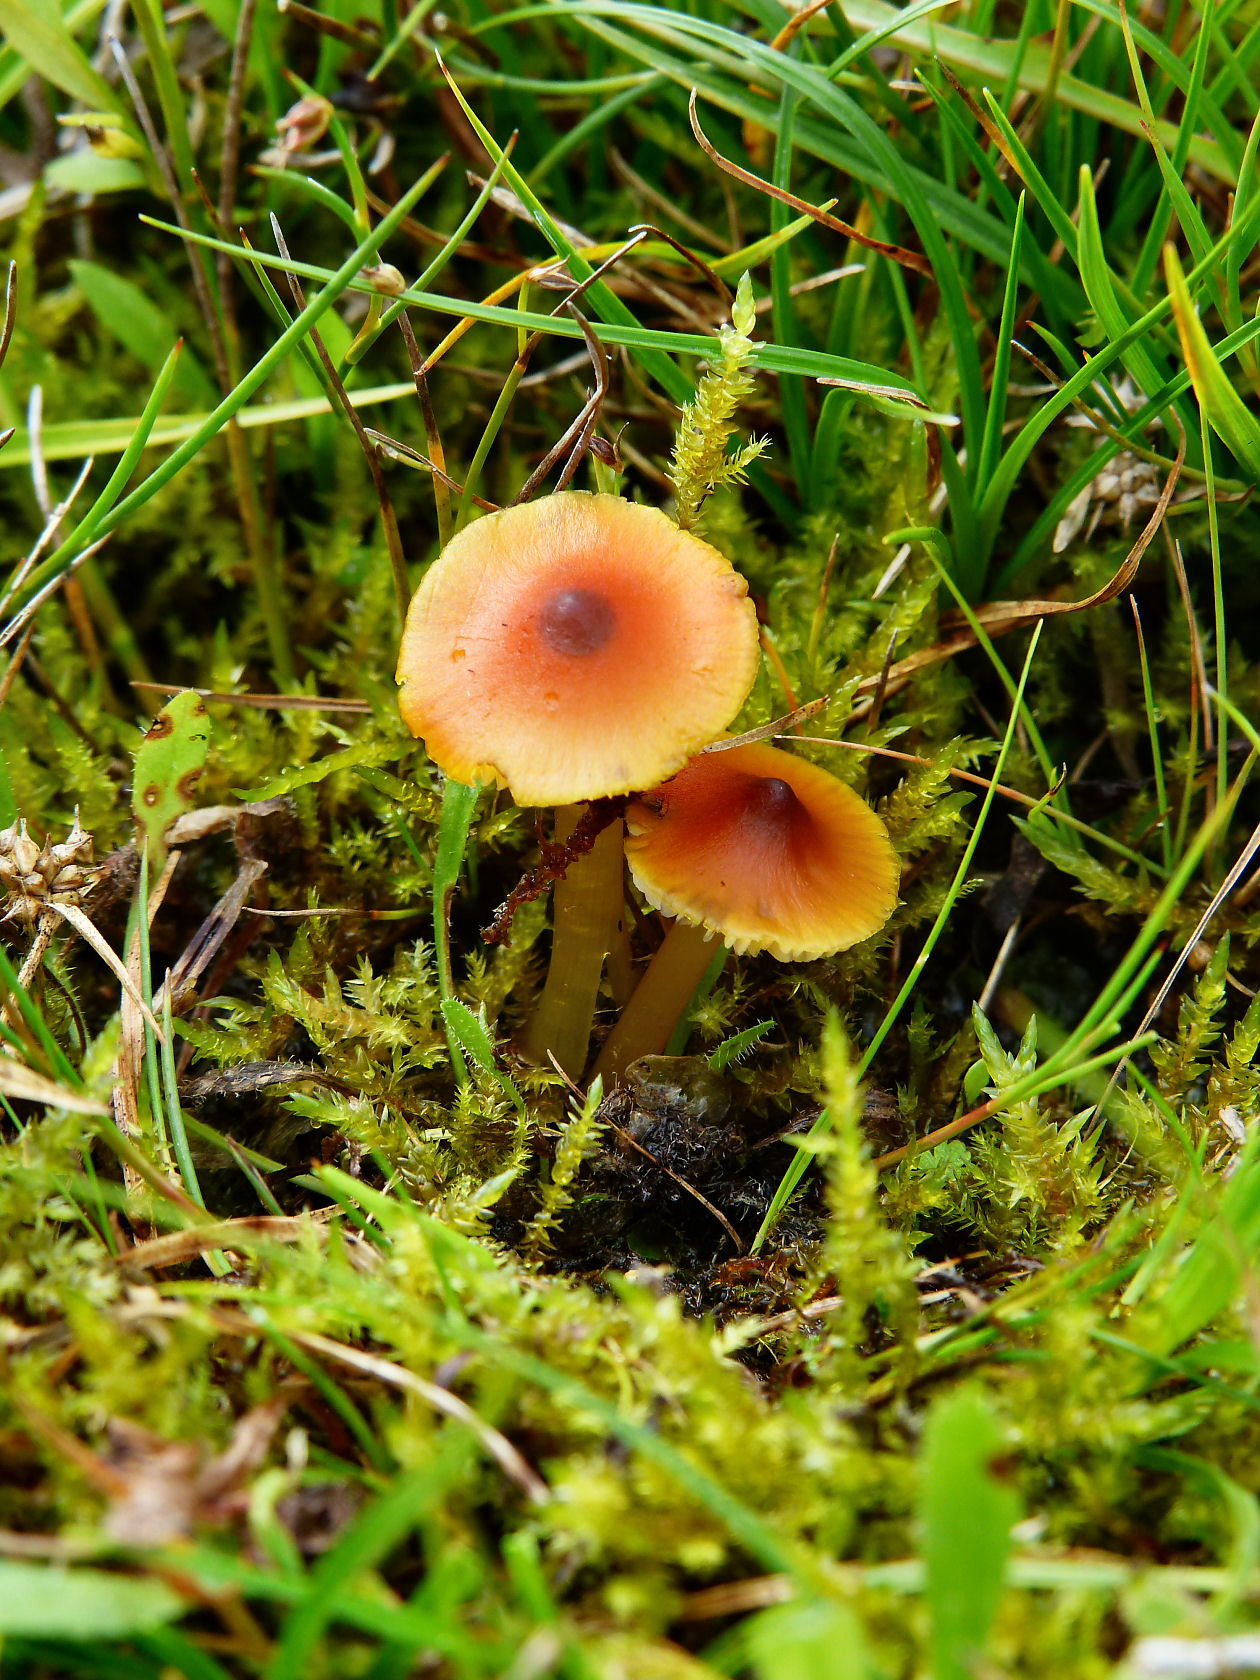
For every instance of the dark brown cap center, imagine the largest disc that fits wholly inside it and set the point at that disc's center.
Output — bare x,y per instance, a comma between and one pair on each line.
771,803
576,621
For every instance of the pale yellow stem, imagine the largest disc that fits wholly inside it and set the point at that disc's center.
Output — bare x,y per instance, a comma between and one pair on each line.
661,996
622,975
586,909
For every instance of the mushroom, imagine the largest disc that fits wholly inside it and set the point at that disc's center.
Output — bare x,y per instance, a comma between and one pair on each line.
755,847
574,648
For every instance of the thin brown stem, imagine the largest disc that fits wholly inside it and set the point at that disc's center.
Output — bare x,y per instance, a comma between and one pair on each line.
432,436
229,163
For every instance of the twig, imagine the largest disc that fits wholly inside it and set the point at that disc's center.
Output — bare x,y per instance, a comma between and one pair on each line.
264,702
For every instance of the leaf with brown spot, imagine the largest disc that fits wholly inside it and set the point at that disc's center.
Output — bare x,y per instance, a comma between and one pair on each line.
168,766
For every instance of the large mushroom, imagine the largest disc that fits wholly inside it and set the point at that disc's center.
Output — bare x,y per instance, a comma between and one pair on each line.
574,648
760,849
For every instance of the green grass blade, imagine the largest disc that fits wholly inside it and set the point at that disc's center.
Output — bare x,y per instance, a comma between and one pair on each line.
800,1166
1230,418
45,41
607,305
235,400
995,417
967,1514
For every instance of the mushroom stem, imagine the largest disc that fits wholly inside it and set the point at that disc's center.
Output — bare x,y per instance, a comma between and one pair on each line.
621,975
587,908
667,987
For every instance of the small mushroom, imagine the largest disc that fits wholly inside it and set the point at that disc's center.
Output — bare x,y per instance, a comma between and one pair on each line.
574,648
755,847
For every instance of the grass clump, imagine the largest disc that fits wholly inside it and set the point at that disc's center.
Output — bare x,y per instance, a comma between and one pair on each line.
900,1319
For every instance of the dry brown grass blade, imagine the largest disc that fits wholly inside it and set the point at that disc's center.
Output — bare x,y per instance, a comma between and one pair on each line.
577,436
996,618
1003,615
412,457
995,136
505,1455
369,43
1198,665
968,776
914,260
776,726
25,1085
432,435
86,930
203,947
796,23
10,310
733,1598
175,1248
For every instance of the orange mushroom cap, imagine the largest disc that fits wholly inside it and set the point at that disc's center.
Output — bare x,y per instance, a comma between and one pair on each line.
573,648
766,849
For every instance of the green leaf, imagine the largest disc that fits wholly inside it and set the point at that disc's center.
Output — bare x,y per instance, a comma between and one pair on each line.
995,415
1206,1281
308,775
967,1513
131,315
811,1640
168,767
732,1048
470,1032
42,37
1230,418
1104,297
86,171
79,1604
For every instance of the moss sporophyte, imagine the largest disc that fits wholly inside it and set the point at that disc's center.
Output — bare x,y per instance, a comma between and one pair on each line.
582,647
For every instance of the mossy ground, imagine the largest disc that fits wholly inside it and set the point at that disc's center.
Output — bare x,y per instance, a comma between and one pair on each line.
333,1362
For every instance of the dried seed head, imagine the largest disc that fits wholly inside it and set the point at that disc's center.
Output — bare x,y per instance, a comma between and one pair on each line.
304,123
32,876
384,278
